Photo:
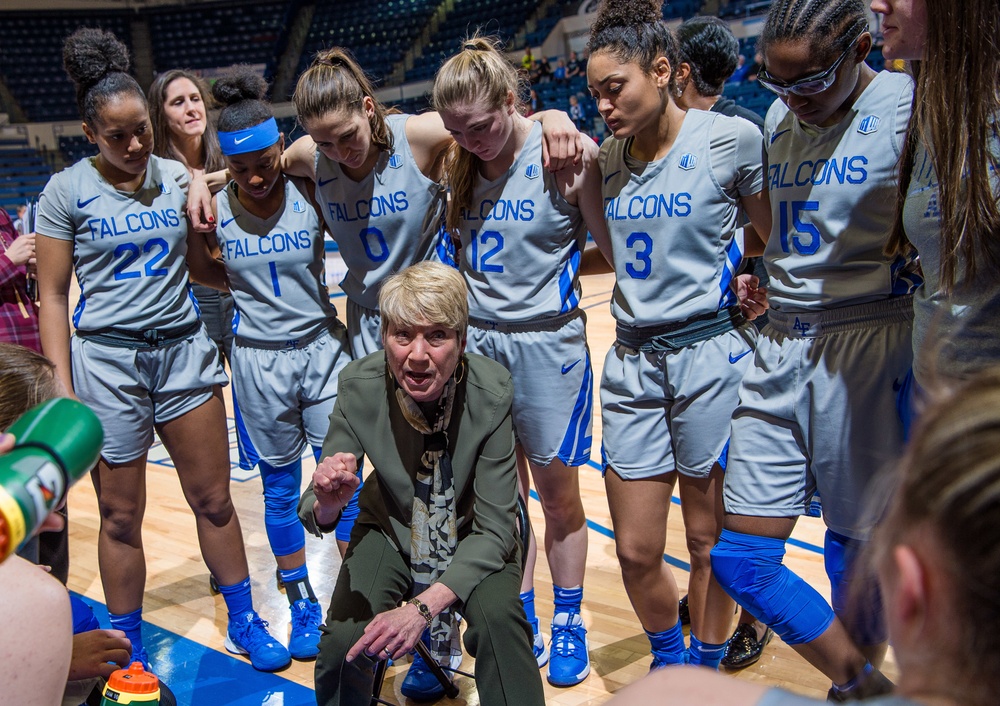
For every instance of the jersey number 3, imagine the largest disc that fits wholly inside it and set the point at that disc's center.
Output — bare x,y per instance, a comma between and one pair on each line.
805,237
642,246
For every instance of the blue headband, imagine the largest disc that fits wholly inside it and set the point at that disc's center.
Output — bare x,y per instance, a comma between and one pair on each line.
258,137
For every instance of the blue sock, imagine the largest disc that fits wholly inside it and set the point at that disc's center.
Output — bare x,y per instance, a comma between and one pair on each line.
856,681
238,599
668,645
705,654
131,625
567,600
528,601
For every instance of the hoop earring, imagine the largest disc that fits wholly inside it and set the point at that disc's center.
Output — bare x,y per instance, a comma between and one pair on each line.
460,371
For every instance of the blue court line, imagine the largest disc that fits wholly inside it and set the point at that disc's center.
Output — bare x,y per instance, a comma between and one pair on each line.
666,557
201,676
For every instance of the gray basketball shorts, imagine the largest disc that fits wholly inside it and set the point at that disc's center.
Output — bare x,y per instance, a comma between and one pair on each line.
669,411
283,397
363,330
818,413
131,390
553,383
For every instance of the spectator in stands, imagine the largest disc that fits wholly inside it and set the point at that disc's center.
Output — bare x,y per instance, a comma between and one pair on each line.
534,104
577,114
528,60
178,107
559,73
741,70
21,210
575,67
542,72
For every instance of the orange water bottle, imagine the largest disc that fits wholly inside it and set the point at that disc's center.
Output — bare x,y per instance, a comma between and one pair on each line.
131,686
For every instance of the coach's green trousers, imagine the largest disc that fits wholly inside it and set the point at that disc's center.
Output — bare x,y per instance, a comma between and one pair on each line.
375,578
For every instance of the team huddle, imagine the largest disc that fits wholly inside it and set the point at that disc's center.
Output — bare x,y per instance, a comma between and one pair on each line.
750,425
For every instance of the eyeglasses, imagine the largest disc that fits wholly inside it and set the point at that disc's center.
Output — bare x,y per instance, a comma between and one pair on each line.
810,85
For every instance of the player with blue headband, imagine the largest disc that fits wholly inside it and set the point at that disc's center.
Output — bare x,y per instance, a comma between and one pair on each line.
290,346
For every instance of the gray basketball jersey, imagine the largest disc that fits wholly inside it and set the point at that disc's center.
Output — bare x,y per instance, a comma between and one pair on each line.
128,248
672,221
832,198
384,223
275,266
521,243
964,325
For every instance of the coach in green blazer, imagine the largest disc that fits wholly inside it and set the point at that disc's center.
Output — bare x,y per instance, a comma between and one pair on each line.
436,523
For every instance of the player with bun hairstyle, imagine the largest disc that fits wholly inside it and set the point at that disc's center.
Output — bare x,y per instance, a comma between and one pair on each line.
818,408
674,185
178,106
948,202
140,357
290,346
521,264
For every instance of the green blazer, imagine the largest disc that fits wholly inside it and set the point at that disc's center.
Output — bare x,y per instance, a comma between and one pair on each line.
367,421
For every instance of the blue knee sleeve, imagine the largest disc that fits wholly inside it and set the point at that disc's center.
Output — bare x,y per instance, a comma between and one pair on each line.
281,499
749,568
857,601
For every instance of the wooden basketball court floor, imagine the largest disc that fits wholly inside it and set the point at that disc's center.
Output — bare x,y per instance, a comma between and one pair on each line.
185,624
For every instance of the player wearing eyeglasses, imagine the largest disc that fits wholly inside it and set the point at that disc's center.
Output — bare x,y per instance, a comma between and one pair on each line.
817,409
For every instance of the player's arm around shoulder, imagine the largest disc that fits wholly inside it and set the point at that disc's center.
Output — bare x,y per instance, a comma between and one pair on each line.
300,159
428,140
202,249
580,185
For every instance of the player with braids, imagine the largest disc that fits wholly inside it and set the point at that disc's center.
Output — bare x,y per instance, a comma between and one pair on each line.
675,183
140,357
948,203
521,264
289,346
818,408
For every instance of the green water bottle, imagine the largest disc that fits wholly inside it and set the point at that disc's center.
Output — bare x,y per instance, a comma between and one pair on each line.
131,686
57,442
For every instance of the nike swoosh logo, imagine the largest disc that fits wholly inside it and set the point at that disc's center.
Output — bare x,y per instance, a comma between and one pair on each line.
227,221
567,368
324,182
776,135
241,140
81,204
733,359
611,176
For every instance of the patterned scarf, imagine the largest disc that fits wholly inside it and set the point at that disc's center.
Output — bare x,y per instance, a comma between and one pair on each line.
433,530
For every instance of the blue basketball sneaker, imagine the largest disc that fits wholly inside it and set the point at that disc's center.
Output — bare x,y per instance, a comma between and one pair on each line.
248,635
420,683
569,661
538,646
304,640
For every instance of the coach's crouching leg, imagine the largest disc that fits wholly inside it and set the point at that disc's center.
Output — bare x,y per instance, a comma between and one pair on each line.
499,637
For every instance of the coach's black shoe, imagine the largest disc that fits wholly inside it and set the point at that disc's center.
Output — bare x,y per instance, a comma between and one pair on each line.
872,684
743,648
683,611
